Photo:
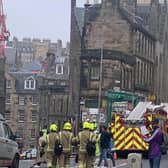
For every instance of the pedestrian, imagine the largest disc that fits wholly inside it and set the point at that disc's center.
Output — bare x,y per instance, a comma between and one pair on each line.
111,148
66,139
104,146
51,138
41,155
84,136
155,141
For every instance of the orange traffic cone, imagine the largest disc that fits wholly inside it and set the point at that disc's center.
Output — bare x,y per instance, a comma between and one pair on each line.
115,155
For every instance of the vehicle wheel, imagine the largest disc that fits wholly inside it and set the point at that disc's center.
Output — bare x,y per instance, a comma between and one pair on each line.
15,162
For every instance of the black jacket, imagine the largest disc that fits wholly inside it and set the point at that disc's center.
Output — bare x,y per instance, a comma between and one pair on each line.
105,140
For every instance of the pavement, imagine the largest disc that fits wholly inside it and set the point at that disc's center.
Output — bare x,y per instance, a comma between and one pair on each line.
120,163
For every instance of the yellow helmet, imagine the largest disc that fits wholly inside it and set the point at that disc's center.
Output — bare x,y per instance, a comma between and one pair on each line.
92,126
67,126
53,127
86,125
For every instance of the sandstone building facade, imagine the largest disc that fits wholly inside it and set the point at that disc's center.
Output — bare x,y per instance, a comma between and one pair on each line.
54,88
112,29
22,107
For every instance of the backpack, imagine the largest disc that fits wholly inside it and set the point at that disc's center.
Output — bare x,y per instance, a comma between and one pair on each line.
58,148
91,147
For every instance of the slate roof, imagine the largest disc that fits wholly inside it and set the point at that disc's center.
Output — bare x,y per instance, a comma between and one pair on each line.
94,10
135,22
20,77
79,13
10,54
34,66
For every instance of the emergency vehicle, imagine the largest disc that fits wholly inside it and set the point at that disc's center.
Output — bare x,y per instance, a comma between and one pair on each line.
127,130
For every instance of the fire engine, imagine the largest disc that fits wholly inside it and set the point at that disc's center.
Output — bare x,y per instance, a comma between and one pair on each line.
127,129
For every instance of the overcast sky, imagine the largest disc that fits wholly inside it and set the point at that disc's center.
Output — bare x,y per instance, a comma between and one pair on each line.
39,18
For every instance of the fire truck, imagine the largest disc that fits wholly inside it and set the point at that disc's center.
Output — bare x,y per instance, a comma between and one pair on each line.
127,129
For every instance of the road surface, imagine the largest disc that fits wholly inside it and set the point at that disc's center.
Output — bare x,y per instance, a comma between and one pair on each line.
120,163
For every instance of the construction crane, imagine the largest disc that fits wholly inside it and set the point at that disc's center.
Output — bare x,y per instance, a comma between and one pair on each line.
4,34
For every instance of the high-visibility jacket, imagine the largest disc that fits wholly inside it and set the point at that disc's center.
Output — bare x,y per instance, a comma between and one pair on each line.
98,144
50,140
65,138
44,132
83,137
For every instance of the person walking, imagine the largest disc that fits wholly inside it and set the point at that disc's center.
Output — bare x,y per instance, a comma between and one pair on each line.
155,141
111,148
85,161
41,150
104,146
51,138
66,139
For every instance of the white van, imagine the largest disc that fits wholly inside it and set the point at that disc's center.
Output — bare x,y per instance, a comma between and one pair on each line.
9,153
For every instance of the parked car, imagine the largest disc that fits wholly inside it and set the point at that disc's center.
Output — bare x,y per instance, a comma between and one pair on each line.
9,152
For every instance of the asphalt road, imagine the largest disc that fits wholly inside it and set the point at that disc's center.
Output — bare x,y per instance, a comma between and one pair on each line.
120,163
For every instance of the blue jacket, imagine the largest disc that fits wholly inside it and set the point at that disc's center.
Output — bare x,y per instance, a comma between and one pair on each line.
112,145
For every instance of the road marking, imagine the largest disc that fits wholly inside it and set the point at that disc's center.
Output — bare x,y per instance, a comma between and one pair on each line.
122,164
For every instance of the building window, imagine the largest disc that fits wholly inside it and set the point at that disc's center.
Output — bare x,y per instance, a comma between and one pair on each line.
8,84
8,99
21,100
21,115
95,72
33,133
59,69
20,132
30,83
34,115
7,115
34,100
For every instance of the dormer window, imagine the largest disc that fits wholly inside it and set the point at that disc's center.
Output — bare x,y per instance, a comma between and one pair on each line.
30,83
59,69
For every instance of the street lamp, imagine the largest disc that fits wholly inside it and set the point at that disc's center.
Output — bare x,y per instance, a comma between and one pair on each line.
101,67
100,85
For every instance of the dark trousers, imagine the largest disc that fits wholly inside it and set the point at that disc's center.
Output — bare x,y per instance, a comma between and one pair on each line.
103,156
111,156
155,162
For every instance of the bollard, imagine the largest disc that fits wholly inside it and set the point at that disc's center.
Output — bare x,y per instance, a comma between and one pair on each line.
135,160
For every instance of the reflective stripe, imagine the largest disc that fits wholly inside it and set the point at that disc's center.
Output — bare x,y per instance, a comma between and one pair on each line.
70,140
127,138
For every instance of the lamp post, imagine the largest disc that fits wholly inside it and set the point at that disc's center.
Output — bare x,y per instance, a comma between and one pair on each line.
100,85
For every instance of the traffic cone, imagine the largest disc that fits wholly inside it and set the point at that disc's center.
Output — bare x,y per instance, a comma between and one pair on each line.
115,155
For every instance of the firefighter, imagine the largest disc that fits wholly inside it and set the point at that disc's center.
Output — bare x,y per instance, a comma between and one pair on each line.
44,130
95,138
41,155
42,147
65,138
85,161
50,141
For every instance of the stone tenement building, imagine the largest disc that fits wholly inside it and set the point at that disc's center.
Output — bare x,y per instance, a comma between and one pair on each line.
155,17
36,94
128,51
54,88
22,106
29,50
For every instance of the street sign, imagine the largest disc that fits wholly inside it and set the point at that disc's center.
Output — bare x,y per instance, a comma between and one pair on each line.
120,96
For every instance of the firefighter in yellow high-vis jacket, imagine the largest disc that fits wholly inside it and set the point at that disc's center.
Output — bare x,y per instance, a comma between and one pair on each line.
65,137
50,141
85,161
